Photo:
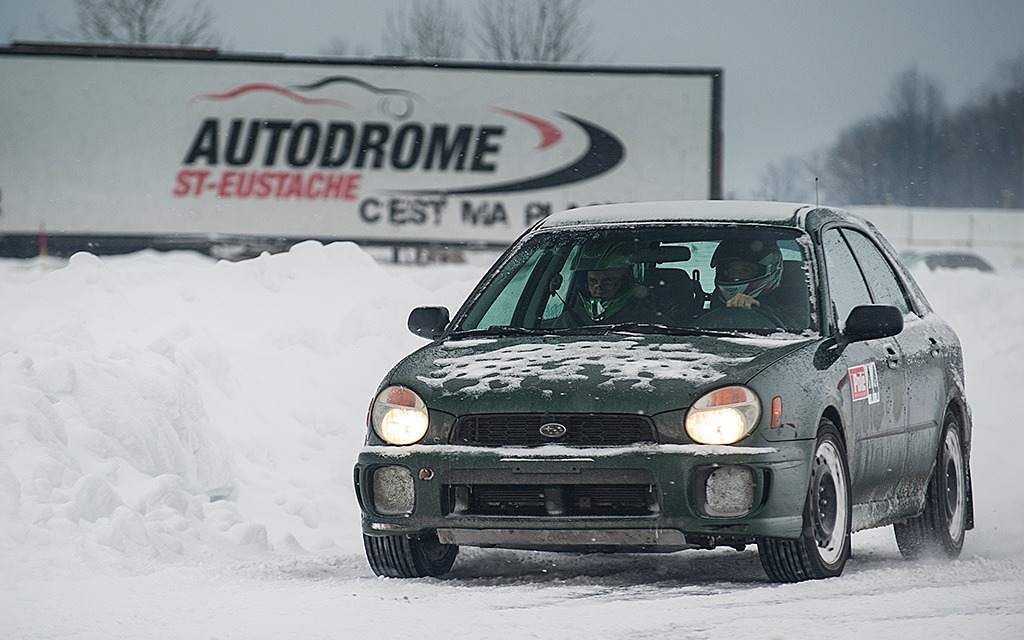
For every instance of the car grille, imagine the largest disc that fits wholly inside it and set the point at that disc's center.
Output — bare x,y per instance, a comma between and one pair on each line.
556,500
524,429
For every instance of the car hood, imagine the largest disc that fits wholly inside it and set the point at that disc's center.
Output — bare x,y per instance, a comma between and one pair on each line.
614,373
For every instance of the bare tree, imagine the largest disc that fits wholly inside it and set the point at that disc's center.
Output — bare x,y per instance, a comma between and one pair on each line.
1012,72
533,30
898,157
432,29
986,141
917,117
860,163
144,22
791,179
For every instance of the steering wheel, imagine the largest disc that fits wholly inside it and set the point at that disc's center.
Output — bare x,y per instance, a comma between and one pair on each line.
739,318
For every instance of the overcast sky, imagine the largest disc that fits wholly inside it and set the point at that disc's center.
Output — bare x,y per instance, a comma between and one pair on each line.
797,72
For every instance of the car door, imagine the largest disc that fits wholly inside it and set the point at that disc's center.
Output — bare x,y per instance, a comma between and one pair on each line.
923,344
874,388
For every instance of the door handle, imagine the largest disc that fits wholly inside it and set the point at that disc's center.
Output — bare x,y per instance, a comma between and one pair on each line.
935,347
892,359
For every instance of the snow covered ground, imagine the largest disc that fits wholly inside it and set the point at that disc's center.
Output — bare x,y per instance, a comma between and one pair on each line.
177,438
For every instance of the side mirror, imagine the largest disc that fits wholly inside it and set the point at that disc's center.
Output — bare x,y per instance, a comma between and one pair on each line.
555,284
428,322
872,321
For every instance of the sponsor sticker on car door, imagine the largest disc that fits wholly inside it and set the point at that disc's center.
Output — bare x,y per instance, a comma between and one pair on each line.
864,383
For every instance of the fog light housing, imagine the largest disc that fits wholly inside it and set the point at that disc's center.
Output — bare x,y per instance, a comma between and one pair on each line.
393,491
729,491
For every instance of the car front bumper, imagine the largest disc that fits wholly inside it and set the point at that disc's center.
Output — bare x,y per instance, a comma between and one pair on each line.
664,497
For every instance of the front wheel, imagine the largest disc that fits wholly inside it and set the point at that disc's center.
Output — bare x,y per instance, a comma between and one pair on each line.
823,547
400,556
939,530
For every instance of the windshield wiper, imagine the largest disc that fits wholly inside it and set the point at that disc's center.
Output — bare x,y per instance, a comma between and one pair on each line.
597,329
645,327
500,331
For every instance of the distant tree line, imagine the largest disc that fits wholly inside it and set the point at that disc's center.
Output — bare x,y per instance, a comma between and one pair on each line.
918,152
146,22
506,30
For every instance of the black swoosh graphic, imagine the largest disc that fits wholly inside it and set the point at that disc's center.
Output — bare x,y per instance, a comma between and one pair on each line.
604,154
323,82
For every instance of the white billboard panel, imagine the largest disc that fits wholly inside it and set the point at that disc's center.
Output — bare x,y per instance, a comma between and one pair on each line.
122,146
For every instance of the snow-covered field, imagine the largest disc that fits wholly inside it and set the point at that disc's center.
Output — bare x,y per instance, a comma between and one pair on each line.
177,438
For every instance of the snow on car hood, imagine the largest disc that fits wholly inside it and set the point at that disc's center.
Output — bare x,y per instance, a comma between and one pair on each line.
615,373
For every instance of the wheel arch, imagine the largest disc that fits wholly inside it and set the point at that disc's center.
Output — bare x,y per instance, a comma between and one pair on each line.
958,405
832,414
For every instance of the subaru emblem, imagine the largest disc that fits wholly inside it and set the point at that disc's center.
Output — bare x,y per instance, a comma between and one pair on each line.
553,430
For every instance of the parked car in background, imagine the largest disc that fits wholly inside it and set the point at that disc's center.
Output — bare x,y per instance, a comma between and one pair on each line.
946,259
669,376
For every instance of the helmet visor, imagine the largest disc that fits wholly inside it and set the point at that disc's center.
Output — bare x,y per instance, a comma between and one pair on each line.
738,271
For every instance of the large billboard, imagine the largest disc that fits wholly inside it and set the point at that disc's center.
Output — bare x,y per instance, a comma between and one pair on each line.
386,152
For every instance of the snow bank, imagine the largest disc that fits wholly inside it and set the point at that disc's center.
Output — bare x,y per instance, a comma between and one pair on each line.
166,405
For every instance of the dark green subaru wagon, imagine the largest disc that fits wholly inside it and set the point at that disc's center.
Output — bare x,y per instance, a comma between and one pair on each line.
675,375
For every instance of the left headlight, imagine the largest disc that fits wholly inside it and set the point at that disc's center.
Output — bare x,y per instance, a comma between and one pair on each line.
399,416
723,416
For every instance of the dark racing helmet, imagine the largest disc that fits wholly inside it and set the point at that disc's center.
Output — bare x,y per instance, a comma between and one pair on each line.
759,273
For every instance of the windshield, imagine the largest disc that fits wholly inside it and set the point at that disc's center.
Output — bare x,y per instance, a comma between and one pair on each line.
747,278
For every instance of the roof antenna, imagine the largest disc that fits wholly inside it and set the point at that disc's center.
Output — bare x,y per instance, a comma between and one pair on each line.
816,191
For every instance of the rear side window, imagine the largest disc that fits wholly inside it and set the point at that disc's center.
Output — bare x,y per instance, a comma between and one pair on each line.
845,282
884,285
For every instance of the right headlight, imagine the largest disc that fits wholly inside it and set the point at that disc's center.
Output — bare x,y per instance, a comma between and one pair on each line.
723,416
399,416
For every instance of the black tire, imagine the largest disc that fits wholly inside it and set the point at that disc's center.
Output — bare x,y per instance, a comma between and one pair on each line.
823,547
939,530
399,556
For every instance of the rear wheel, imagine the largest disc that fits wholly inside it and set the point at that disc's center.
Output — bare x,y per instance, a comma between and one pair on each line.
823,547
400,556
939,530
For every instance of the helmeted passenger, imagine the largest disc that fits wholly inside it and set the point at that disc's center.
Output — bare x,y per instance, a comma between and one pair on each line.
609,288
